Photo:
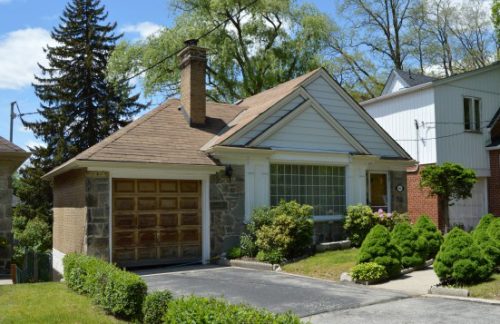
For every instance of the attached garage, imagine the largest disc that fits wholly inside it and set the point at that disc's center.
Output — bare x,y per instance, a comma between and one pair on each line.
156,221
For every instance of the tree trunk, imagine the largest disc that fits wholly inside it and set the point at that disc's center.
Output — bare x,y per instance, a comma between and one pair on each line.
444,213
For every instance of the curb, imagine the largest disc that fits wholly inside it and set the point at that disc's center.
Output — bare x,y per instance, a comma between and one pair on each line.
446,291
468,299
254,265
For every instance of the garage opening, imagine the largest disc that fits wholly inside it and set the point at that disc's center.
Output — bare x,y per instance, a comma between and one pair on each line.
156,221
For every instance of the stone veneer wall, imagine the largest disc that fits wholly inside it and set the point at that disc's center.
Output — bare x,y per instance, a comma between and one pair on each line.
399,200
5,215
97,226
227,209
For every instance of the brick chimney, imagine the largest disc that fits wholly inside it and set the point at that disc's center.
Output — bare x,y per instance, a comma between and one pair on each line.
193,61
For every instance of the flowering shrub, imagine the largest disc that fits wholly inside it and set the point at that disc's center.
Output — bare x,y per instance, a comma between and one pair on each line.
390,220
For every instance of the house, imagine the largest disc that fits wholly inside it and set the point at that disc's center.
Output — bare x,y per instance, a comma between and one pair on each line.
451,119
11,157
178,184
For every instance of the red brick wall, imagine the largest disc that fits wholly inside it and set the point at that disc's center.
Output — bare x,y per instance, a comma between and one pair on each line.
494,183
419,201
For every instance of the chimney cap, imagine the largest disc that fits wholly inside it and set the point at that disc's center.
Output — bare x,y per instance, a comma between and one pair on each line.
191,42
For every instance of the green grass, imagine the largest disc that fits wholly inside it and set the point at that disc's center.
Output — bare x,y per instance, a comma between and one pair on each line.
327,265
488,289
49,302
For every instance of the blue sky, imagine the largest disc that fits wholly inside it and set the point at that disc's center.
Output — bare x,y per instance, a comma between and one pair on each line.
25,27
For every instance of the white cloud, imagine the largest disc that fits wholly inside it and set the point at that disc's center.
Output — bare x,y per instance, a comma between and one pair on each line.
144,29
20,51
23,129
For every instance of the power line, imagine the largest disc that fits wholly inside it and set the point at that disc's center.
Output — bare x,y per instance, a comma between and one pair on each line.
437,137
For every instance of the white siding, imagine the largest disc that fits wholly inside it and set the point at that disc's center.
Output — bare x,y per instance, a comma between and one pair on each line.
258,129
349,118
395,85
308,131
467,149
468,212
397,116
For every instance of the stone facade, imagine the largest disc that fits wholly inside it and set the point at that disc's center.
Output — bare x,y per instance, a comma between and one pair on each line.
227,208
97,225
399,199
5,216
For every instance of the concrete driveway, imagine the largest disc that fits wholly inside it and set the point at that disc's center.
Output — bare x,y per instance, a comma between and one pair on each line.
318,301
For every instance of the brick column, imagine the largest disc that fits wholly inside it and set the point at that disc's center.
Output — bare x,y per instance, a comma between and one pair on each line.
97,225
494,183
419,200
5,217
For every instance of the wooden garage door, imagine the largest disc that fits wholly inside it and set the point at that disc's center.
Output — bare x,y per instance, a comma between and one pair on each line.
156,221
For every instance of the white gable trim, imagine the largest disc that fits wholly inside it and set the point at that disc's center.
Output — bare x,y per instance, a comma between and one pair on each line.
390,81
257,120
362,113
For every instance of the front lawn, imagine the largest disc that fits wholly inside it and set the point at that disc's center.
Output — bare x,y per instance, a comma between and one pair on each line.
488,289
49,302
327,265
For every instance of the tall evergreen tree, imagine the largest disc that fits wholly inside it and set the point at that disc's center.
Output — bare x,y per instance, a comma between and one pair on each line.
79,105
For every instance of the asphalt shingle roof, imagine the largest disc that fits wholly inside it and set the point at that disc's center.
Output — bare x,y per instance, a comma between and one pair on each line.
413,79
8,147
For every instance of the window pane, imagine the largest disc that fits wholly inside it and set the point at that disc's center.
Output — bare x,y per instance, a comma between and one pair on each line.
467,123
477,117
323,187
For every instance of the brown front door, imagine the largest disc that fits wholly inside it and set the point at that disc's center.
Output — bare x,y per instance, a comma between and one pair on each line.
156,221
379,198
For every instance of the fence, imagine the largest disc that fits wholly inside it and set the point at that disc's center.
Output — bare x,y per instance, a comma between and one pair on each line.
36,267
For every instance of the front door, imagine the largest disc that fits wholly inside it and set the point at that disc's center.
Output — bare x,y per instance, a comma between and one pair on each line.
378,191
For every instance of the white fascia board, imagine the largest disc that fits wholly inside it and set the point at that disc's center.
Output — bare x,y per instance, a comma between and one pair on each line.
366,104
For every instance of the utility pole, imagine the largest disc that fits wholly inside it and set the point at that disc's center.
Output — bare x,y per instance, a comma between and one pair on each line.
12,117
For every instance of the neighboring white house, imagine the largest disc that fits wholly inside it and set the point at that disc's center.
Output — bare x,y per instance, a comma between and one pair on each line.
439,120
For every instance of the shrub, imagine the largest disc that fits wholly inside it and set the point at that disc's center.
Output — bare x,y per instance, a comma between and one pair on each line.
369,271
35,236
412,247
429,232
486,243
460,260
494,233
195,309
290,232
358,222
234,253
377,247
155,306
389,220
247,245
274,257
117,291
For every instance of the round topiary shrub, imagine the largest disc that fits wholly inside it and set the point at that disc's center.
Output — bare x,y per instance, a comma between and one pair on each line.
377,247
486,243
155,306
494,234
413,248
429,232
358,222
460,260
369,271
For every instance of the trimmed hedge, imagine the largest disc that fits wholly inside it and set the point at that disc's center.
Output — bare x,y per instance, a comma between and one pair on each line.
377,247
155,306
369,271
119,292
413,248
430,233
195,309
487,243
460,260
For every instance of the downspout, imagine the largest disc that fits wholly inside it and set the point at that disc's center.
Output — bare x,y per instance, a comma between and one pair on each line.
418,150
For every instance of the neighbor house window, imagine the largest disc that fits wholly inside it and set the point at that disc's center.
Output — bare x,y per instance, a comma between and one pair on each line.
322,187
472,114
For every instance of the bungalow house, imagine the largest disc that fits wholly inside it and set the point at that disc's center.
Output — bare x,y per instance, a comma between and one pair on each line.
452,119
11,157
178,184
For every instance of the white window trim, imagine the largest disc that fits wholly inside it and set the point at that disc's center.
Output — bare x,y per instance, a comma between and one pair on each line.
388,189
472,114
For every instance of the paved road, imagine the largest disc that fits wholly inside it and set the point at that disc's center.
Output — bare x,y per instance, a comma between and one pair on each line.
316,300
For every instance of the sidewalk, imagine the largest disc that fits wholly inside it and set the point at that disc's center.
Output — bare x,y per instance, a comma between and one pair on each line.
414,283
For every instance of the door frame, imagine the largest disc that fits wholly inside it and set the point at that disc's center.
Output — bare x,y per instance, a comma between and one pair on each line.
388,188
200,174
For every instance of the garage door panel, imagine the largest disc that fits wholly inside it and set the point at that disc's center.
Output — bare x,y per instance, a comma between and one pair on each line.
124,203
147,220
146,203
125,221
156,221
168,220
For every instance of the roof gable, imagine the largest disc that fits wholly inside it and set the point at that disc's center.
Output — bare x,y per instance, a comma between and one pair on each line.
399,79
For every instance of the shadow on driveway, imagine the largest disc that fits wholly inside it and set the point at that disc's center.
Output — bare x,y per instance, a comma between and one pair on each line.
278,292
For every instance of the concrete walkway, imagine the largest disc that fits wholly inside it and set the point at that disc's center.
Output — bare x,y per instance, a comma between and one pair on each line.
415,283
